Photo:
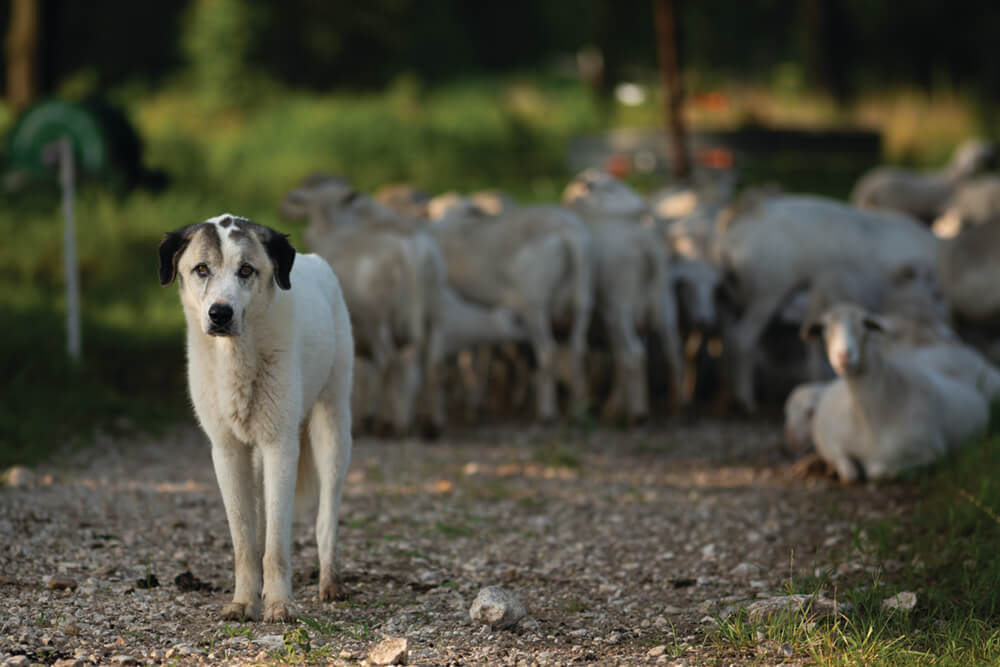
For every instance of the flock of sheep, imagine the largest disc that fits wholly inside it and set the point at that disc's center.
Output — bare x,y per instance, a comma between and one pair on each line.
874,322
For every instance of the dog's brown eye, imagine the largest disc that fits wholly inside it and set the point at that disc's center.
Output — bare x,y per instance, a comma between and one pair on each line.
246,271
201,270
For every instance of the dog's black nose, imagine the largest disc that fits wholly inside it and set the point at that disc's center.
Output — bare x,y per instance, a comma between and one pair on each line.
220,314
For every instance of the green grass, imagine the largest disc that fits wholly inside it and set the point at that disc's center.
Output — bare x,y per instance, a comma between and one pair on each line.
947,546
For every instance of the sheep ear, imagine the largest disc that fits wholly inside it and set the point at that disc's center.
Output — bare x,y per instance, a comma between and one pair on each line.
874,323
171,247
811,330
281,252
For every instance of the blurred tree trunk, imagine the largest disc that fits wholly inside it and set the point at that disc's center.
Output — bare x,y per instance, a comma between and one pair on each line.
22,54
673,87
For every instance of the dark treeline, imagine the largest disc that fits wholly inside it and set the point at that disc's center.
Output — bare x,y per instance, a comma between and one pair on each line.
842,45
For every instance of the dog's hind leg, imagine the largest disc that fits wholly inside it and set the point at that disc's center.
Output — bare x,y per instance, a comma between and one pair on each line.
330,438
235,472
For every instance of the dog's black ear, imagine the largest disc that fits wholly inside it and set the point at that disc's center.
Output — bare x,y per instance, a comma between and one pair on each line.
282,255
171,247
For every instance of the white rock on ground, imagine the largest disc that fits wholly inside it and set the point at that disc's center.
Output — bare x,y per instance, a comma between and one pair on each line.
812,606
904,601
389,652
497,607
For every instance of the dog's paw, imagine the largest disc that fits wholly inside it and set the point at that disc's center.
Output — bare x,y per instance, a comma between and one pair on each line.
331,590
239,611
279,612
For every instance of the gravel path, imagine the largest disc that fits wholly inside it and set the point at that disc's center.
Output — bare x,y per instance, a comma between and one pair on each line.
620,544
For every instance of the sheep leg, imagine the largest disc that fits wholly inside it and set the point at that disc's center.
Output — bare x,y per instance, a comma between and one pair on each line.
403,375
670,338
744,341
544,346
629,354
691,348
432,398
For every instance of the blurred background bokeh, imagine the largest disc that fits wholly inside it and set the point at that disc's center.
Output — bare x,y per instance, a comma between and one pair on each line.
207,106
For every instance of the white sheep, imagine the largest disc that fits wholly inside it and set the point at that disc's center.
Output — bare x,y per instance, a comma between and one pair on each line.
537,262
887,411
354,230
634,289
970,274
921,194
776,244
799,410
974,203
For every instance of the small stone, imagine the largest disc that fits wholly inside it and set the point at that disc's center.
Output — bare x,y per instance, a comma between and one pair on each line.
787,650
813,606
69,662
745,571
657,651
904,601
270,642
124,660
17,661
60,583
389,652
496,607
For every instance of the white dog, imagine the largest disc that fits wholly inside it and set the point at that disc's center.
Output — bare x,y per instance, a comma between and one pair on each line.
270,365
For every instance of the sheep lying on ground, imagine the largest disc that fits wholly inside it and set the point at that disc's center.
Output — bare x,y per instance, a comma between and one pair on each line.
800,409
970,274
921,194
887,411
776,244
974,203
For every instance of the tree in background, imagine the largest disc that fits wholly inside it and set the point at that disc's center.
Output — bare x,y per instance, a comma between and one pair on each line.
22,54
668,50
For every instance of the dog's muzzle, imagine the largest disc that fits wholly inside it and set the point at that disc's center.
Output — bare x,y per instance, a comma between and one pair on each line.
221,317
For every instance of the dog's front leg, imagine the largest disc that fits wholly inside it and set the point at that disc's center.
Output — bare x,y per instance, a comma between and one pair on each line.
234,470
280,460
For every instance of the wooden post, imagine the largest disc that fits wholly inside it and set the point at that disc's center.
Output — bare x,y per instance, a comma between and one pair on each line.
673,87
22,54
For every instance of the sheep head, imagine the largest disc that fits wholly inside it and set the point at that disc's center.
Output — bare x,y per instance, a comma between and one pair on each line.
845,329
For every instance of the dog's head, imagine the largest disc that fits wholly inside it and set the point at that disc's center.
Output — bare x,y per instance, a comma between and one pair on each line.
226,268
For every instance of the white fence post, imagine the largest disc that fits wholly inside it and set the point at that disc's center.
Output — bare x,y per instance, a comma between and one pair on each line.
60,153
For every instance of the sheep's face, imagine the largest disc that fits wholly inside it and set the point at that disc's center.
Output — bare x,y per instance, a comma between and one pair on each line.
322,200
800,408
845,329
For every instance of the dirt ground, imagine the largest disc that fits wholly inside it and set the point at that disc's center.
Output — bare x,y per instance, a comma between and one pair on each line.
621,544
